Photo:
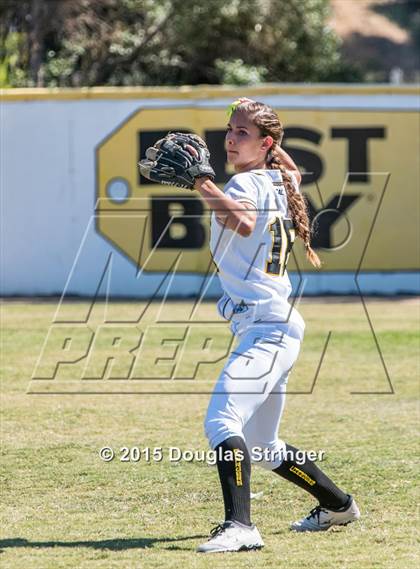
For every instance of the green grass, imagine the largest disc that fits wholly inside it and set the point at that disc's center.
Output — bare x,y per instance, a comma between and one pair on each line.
63,507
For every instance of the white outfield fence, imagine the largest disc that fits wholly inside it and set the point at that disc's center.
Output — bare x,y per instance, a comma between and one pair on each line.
72,223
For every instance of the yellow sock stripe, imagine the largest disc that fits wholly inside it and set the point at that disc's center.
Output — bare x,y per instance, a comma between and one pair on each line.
302,475
238,467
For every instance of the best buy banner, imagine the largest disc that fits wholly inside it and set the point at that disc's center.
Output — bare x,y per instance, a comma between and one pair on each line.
79,220
360,173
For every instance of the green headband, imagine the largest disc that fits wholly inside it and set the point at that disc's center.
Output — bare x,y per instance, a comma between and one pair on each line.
232,107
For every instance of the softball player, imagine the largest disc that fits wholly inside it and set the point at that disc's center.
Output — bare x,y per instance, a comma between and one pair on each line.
254,223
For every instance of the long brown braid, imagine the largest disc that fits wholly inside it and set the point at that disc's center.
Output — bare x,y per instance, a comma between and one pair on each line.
268,122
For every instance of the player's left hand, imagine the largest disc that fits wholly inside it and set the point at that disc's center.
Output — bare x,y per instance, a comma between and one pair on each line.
177,160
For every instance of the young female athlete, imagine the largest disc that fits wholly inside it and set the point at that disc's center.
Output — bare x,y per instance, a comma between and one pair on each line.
254,223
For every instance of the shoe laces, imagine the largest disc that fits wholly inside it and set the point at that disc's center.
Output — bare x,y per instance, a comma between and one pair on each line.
218,530
316,512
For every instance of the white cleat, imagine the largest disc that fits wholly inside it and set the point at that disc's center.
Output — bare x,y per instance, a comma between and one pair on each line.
232,536
321,519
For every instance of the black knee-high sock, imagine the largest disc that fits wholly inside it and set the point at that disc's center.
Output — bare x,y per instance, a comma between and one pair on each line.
234,466
308,476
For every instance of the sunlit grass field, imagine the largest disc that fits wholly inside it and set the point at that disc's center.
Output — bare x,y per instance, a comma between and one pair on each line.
353,394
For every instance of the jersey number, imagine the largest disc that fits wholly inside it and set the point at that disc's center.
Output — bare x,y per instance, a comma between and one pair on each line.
283,236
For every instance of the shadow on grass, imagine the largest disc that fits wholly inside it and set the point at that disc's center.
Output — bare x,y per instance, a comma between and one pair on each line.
111,544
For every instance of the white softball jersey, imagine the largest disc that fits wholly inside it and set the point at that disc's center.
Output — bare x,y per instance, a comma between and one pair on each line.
252,270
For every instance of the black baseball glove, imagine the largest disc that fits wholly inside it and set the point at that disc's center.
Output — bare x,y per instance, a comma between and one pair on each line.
177,160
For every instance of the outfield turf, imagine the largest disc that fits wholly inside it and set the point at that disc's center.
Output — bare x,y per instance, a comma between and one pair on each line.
64,507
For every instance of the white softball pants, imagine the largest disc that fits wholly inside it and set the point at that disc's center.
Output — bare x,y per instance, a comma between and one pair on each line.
249,396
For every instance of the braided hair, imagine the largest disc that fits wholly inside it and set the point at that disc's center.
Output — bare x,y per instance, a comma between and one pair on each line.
268,123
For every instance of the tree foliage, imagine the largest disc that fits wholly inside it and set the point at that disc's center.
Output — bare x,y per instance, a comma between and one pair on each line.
167,42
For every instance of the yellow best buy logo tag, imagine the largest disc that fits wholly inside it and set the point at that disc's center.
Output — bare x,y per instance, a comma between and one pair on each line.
356,180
